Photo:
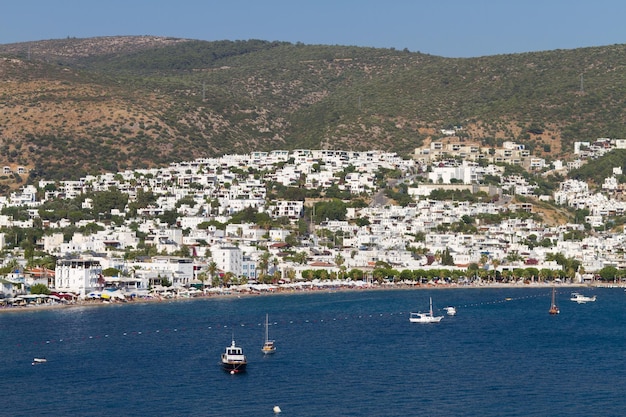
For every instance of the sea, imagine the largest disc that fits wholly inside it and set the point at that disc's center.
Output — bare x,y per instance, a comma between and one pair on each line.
339,353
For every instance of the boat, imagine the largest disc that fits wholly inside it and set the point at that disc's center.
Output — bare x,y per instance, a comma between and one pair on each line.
428,317
554,309
268,345
37,361
450,310
581,299
233,359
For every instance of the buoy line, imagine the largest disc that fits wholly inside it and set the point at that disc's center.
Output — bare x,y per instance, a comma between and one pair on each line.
221,326
505,300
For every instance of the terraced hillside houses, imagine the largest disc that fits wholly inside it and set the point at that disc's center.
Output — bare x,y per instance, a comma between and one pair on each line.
204,246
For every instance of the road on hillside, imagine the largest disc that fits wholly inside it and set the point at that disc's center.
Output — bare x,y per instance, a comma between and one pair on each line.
380,199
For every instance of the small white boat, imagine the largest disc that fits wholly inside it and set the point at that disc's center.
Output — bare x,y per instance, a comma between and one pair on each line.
450,310
37,361
581,299
428,317
268,346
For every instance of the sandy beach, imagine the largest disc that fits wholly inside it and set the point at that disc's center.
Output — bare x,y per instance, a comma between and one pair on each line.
328,287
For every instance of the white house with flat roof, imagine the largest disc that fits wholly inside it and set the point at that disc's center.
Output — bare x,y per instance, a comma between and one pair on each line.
177,270
79,276
228,259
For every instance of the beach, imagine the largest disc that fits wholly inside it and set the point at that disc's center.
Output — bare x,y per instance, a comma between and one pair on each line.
245,291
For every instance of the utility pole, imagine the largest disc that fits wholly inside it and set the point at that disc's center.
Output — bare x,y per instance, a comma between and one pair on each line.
582,85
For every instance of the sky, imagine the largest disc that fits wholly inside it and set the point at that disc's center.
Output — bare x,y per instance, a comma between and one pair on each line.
448,28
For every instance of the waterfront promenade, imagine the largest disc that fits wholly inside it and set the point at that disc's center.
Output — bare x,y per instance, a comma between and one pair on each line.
43,303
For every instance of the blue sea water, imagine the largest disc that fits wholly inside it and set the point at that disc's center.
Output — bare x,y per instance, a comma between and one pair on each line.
338,354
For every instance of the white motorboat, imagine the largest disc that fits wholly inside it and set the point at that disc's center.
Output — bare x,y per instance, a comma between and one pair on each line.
450,310
581,299
427,317
233,359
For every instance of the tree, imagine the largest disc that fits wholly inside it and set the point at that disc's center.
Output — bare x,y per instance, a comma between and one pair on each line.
264,262
472,268
276,272
169,217
330,210
212,268
183,251
105,201
356,274
291,240
228,278
446,258
379,274
39,289
467,219
215,281
202,277
111,272
407,275
300,257
10,267
339,260
91,228
142,200
608,273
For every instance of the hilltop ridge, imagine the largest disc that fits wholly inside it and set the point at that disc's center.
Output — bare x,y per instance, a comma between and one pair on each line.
77,106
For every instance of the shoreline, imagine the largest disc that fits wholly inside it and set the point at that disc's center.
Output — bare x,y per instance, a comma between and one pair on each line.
290,290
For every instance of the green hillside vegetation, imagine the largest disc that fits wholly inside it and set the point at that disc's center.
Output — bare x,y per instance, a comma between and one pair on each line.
599,169
77,106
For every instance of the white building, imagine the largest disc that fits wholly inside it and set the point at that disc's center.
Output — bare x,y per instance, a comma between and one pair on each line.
78,276
282,208
467,173
179,271
228,259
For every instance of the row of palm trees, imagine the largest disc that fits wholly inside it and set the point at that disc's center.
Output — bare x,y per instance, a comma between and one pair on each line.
385,273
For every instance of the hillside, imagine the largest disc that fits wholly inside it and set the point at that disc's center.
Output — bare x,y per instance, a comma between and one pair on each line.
76,106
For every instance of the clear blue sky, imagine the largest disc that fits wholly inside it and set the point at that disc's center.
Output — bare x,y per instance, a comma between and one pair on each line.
450,28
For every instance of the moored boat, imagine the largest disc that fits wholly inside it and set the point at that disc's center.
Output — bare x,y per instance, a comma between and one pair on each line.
450,310
428,317
268,346
554,309
581,299
233,359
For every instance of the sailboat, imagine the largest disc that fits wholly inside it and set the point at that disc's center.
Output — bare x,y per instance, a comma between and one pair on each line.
554,309
268,346
425,317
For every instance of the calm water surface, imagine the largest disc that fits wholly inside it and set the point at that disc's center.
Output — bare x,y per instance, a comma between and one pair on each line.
338,354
